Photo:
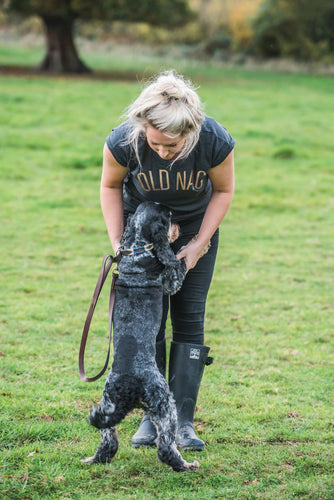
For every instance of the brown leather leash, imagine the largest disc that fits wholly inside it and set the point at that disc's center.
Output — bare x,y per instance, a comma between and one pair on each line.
107,263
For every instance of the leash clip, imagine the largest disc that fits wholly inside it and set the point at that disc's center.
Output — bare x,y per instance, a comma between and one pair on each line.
118,256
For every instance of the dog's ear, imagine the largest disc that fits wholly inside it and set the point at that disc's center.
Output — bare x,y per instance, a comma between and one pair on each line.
175,269
162,249
165,254
173,276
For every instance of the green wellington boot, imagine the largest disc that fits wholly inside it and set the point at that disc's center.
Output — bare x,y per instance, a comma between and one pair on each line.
186,366
146,433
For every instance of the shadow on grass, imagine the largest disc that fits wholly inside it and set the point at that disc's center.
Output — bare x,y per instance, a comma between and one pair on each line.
31,71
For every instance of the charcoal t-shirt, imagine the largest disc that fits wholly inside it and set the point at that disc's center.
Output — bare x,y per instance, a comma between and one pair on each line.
184,187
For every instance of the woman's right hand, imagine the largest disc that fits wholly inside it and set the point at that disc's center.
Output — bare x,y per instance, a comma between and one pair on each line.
116,246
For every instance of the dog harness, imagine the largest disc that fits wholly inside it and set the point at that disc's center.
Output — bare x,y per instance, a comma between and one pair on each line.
135,251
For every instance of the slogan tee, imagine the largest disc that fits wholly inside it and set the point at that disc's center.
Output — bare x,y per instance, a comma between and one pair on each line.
184,186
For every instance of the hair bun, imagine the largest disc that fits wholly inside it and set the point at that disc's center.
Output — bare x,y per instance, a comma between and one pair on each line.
170,97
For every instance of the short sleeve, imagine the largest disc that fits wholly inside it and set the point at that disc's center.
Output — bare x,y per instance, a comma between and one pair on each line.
223,144
117,145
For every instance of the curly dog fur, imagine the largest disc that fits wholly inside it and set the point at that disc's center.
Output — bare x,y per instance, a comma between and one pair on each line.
134,380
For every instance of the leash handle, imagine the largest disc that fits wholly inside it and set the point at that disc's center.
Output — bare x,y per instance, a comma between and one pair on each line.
107,263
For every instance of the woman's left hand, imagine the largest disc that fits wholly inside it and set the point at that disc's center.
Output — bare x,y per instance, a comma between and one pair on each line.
191,253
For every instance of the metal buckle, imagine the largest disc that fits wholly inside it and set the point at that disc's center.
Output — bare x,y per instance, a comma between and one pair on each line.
138,250
118,256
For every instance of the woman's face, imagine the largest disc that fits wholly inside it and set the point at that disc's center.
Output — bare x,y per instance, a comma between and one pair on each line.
163,145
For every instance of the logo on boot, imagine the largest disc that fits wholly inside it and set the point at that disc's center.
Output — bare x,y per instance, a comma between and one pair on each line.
194,353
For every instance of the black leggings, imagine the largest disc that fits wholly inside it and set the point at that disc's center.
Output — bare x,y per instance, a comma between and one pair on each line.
187,307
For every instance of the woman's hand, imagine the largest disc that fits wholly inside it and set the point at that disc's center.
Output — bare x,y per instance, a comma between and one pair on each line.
116,246
192,252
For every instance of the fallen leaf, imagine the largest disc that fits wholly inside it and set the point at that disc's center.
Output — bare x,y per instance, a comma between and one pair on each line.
251,482
24,478
31,454
83,405
293,414
47,418
59,479
288,465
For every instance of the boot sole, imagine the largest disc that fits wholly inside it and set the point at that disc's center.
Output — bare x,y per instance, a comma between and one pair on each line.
138,445
193,448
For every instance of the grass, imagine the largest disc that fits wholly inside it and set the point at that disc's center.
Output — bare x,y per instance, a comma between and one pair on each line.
265,407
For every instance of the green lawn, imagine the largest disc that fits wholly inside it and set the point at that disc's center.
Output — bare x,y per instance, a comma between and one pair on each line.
265,408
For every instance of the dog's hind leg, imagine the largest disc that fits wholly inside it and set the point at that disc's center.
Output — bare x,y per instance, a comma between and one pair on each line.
105,417
160,405
107,448
167,451
120,396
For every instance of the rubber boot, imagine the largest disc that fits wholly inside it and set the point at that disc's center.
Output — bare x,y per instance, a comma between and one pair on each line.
146,433
186,366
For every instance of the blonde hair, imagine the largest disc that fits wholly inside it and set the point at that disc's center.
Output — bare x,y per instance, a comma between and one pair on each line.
170,104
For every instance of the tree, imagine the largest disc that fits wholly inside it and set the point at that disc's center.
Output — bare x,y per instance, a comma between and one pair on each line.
302,29
59,15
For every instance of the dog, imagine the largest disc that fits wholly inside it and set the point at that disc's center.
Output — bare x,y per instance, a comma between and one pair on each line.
147,270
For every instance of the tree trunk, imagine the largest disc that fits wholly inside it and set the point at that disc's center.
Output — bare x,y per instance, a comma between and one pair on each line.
61,55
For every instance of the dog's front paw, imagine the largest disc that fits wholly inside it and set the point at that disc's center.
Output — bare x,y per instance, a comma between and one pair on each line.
173,276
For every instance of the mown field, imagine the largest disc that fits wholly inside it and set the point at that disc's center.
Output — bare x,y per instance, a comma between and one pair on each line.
265,408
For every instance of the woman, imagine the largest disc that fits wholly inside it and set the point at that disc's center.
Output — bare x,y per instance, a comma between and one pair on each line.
169,151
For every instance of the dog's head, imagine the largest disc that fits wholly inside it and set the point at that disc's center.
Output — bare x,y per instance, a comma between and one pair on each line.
151,223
